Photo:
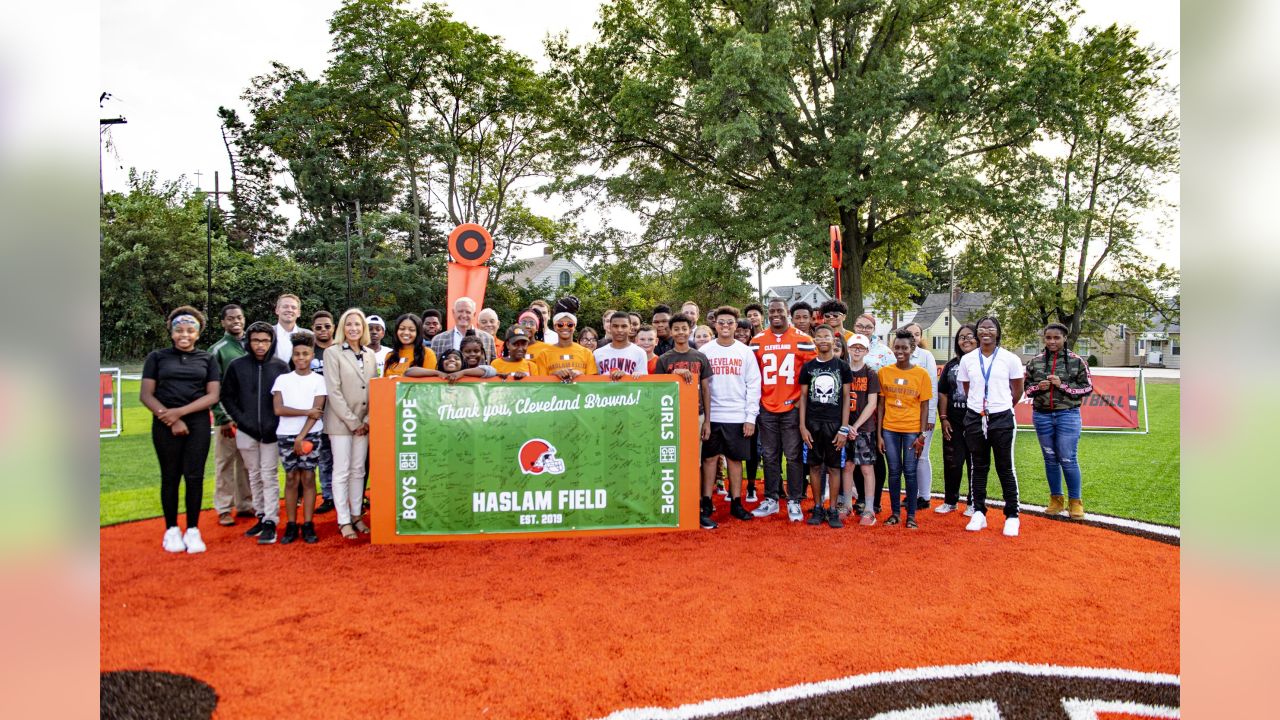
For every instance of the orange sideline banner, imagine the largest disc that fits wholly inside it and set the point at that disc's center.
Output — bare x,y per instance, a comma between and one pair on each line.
424,496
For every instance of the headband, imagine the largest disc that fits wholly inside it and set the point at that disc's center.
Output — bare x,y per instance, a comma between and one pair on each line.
529,313
566,314
185,320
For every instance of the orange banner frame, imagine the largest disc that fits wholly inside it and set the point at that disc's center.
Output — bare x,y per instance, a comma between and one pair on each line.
382,473
470,247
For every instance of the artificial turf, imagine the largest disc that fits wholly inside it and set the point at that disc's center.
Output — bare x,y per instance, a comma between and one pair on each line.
588,626
1133,476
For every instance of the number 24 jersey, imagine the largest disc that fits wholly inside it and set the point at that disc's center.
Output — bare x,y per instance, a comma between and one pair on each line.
781,356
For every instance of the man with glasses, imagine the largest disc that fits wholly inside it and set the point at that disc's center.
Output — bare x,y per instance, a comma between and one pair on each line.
878,355
781,351
322,327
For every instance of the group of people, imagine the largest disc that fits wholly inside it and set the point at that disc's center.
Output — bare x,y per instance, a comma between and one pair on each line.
846,411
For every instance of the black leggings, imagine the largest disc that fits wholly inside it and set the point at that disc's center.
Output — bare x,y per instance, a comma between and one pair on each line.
996,445
955,458
182,456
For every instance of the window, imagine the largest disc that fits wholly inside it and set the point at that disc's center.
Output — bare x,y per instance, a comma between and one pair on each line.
940,343
1030,349
1176,347
1084,347
1122,332
564,278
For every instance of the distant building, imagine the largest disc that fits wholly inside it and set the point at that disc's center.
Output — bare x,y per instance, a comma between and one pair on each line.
939,313
1160,346
559,273
812,294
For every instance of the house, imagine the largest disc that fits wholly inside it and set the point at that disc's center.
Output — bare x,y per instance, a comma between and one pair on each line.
557,272
939,313
812,294
1117,348
1160,346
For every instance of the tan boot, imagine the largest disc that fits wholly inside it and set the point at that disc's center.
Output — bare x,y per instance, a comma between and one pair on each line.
1076,508
1057,503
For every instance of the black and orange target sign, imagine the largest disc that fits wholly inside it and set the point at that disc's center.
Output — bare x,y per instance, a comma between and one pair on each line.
470,244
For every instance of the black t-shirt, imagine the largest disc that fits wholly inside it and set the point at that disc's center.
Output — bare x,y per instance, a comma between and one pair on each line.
180,376
863,383
949,385
822,381
693,361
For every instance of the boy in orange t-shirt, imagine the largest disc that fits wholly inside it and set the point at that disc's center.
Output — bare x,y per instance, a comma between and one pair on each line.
903,411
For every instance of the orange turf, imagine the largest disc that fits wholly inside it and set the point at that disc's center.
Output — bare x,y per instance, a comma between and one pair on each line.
579,627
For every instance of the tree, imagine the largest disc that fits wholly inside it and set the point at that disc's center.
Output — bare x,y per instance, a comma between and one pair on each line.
765,122
152,260
254,223
1063,244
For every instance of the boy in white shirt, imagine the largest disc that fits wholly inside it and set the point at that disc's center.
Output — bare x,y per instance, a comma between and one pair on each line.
299,399
735,403
621,357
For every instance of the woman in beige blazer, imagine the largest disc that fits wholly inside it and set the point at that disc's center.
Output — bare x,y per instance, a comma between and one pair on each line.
349,366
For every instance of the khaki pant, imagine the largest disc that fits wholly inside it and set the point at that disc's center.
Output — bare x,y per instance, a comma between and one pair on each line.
231,481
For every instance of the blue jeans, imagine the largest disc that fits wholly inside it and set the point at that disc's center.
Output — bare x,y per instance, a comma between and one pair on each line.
1059,434
326,468
902,459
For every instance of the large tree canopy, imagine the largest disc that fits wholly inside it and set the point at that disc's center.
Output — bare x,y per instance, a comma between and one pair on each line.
760,122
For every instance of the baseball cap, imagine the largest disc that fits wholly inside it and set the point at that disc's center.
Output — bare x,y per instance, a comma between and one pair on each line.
375,320
517,332
860,340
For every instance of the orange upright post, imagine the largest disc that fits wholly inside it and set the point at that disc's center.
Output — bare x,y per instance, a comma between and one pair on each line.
470,247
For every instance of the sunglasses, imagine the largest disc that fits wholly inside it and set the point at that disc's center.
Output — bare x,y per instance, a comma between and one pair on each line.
560,325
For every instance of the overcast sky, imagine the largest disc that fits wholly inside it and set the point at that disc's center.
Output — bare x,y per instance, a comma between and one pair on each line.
169,65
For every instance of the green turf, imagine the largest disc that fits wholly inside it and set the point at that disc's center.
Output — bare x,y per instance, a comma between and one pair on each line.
1134,476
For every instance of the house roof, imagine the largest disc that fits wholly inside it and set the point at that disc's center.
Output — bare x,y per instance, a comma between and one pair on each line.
935,305
794,292
538,265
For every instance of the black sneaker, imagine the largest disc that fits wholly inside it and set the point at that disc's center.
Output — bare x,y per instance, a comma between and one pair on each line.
268,534
891,520
736,510
751,494
707,523
859,507
290,533
817,515
922,504
253,531
833,519
325,507
309,533
706,507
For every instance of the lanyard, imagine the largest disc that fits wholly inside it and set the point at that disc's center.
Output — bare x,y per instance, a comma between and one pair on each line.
986,377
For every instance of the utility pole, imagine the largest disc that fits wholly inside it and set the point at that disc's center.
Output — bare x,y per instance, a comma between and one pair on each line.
951,298
208,239
347,222
103,125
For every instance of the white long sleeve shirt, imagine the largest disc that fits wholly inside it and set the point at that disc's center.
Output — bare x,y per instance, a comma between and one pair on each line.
735,382
924,359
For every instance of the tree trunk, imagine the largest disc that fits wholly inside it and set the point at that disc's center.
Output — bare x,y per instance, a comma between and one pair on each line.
416,234
851,259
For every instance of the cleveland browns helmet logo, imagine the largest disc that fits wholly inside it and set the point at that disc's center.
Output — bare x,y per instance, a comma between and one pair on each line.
538,456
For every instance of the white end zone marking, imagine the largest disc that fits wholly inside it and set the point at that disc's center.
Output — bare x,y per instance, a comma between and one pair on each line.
720,706
985,710
1164,530
1079,709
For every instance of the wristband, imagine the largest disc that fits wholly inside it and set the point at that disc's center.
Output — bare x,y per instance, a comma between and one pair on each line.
845,430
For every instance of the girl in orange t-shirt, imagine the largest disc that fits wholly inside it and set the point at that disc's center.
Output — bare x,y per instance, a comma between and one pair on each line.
905,390
515,363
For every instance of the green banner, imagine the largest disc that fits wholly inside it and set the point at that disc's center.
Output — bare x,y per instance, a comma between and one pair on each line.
532,457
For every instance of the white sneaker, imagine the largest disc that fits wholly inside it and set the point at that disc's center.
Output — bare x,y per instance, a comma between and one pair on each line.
1011,527
977,522
194,543
173,541
794,513
968,511
768,506
944,508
